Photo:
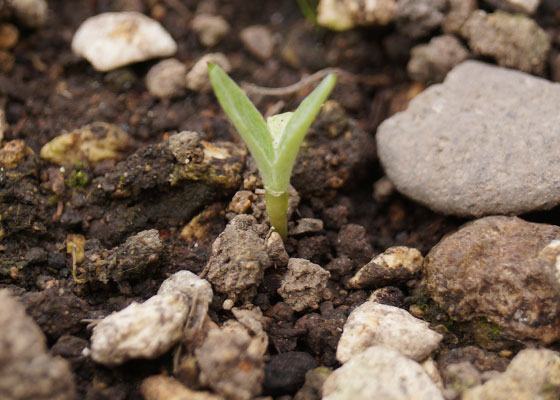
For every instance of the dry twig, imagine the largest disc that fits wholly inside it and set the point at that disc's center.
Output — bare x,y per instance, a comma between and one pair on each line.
344,76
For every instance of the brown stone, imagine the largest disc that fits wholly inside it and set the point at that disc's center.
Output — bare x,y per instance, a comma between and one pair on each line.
490,270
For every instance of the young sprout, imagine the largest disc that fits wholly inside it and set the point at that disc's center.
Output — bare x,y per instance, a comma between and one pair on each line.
274,144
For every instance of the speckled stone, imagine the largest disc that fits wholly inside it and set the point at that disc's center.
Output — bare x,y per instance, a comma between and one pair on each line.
481,143
499,270
513,40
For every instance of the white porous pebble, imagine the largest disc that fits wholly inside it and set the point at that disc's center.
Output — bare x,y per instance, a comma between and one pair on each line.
144,330
373,324
197,77
112,40
380,373
149,329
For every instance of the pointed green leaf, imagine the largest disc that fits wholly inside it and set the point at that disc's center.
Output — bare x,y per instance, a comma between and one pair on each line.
246,118
297,127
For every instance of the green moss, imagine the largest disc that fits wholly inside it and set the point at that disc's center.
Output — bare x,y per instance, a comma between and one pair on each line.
77,178
488,329
52,200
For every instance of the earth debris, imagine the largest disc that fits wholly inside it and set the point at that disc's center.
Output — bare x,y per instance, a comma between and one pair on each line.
302,286
118,171
28,371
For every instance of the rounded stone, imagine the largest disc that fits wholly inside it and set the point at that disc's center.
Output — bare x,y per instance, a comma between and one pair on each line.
258,41
481,143
112,40
380,373
167,79
374,324
499,270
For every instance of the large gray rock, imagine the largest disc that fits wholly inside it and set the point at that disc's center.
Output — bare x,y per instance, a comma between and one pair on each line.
499,275
480,143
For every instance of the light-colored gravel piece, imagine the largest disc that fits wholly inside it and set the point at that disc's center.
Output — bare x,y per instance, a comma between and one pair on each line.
31,13
396,264
307,225
345,14
523,6
167,79
431,62
303,285
374,324
258,40
211,29
112,40
232,363
149,329
514,40
161,387
459,12
532,374
197,78
380,373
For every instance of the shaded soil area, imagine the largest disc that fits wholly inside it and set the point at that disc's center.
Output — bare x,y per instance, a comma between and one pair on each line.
47,212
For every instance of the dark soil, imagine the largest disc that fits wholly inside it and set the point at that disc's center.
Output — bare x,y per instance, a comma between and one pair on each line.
50,90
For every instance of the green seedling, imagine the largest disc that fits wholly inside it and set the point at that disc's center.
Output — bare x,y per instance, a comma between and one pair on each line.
308,10
274,144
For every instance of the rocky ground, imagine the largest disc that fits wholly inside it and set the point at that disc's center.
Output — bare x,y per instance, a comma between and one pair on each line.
136,259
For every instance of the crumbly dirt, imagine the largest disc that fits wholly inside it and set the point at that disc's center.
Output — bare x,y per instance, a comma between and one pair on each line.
49,90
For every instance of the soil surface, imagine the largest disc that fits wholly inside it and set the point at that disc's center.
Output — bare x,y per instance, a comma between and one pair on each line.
45,209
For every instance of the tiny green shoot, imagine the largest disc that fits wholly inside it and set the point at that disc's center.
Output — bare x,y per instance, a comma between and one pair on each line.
308,10
274,144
